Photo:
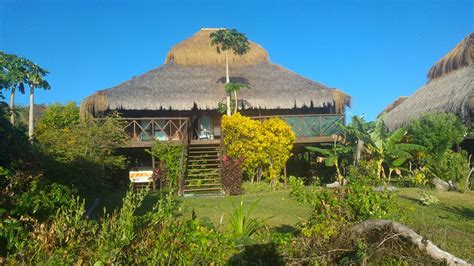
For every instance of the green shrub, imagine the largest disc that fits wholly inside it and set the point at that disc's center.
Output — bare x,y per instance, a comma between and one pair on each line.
437,132
81,153
333,209
452,166
170,155
158,237
417,178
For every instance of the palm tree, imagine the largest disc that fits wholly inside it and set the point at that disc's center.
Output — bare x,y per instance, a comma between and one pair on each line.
226,40
35,78
13,77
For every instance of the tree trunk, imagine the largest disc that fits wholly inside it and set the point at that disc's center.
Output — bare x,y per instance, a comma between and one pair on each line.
12,105
338,172
31,114
227,80
236,102
409,235
360,146
379,168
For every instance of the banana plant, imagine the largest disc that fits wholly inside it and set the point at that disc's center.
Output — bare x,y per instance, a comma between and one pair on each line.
390,149
333,153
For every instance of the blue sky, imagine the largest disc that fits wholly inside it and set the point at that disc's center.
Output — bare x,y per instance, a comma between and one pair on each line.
372,50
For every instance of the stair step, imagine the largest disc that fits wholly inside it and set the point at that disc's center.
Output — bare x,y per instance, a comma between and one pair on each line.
202,189
207,164
207,155
203,152
203,147
204,185
207,170
204,160
207,179
213,174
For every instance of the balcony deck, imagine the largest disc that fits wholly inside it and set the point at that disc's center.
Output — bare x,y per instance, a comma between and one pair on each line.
144,132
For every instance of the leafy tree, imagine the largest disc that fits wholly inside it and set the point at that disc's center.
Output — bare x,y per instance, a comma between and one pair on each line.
437,132
226,40
59,116
80,152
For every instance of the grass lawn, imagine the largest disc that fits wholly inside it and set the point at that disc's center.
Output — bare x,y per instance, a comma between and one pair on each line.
450,224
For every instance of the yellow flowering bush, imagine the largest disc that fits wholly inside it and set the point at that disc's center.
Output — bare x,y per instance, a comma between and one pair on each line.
264,146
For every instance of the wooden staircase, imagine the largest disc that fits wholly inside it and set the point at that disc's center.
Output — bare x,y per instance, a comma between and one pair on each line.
204,170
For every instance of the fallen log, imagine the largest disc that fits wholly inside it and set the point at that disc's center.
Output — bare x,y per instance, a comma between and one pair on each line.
409,235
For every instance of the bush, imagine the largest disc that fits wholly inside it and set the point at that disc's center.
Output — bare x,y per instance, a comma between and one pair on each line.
437,132
417,178
333,209
170,155
452,166
265,146
123,237
80,152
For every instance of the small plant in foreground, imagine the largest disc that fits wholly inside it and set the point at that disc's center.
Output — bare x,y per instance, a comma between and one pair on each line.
242,226
428,199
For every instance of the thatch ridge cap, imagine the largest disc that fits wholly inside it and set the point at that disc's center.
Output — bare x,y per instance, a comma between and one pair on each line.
196,50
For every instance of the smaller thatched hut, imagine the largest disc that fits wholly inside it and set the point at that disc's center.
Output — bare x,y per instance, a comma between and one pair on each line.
450,89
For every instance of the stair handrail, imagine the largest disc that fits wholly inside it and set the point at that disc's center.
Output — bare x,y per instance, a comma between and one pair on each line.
181,161
186,142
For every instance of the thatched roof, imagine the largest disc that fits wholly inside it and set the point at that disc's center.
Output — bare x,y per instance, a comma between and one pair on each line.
450,90
194,76
394,104
462,55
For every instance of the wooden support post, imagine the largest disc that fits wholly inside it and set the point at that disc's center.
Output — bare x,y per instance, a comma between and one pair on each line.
153,168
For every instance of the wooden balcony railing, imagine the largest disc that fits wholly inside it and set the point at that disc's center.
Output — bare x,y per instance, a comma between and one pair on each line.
316,125
156,128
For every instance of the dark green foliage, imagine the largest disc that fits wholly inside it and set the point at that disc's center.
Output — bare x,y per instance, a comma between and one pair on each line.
59,116
15,149
170,155
235,86
78,152
123,237
437,132
342,206
452,166
337,155
231,39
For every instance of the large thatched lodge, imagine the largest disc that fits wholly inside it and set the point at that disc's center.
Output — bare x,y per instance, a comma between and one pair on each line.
450,89
177,101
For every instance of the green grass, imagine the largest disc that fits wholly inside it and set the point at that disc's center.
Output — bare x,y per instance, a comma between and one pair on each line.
450,224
